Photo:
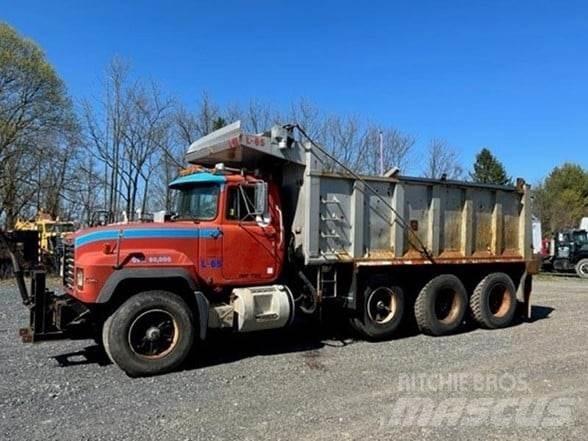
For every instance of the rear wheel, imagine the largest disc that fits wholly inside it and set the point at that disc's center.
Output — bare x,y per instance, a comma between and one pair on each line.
493,302
151,333
381,313
582,268
441,305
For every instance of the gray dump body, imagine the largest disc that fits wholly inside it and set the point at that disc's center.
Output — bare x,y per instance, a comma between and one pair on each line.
336,217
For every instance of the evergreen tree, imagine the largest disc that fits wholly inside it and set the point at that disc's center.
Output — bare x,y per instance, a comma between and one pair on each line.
218,123
489,170
561,200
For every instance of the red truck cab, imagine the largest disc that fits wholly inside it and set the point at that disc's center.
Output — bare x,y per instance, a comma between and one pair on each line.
226,232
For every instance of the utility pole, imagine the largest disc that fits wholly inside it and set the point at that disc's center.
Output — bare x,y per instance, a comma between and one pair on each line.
381,153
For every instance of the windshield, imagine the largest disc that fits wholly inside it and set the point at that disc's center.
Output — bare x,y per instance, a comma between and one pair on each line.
581,237
198,202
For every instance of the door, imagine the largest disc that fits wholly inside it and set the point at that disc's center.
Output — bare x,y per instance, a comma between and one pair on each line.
249,249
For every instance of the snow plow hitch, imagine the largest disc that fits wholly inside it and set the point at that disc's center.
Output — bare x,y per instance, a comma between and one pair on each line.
52,317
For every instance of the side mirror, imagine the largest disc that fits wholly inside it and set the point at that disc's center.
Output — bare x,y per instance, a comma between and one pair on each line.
260,199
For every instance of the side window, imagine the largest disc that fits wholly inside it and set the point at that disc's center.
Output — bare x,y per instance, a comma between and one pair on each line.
241,203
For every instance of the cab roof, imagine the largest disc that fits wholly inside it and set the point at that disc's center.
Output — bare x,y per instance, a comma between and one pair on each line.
199,177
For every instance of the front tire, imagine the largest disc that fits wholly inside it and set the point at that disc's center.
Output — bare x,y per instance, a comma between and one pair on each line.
149,334
381,313
582,268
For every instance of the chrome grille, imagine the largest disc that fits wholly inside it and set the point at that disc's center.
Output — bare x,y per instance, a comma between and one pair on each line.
68,265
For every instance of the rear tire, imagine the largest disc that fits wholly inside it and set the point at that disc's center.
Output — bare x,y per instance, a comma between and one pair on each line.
381,313
149,334
493,303
441,305
582,268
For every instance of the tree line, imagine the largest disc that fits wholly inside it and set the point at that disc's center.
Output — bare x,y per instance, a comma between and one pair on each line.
118,151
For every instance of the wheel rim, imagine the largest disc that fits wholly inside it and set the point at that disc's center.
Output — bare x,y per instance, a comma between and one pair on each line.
583,269
499,301
447,305
382,305
153,334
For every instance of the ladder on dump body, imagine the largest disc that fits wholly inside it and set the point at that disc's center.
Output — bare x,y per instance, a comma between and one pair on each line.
327,275
330,234
327,282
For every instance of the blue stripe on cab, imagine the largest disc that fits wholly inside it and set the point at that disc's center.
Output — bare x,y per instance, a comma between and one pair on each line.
146,233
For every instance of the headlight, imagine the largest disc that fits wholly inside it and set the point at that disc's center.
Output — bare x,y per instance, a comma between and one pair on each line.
79,278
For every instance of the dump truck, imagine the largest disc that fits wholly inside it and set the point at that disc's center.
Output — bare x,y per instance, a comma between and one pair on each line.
270,228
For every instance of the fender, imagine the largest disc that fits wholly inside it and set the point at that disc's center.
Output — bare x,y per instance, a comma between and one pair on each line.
117,277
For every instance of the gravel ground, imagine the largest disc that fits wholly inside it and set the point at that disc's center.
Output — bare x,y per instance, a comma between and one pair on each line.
296,386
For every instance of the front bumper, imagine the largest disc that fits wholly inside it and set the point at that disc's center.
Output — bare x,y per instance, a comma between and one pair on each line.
53,317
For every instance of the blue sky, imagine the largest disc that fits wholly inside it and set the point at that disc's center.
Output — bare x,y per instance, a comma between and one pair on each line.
509,75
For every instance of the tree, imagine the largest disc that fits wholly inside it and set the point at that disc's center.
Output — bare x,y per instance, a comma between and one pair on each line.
218,123
342,138
127,132
489,170
442,161
397,149
35,117
561,200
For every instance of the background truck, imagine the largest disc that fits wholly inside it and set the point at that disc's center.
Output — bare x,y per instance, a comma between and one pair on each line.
568,252
265,233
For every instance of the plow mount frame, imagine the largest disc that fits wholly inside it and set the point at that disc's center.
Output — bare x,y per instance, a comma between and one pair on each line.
52,317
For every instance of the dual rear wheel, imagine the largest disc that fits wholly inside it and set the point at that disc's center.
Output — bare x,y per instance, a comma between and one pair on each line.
493,302
382,311
440,306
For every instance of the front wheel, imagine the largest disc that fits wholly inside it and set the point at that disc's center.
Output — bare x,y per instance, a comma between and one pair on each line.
382,312
149,334
582,268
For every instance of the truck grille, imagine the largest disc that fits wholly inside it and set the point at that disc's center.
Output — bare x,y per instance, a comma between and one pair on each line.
68,265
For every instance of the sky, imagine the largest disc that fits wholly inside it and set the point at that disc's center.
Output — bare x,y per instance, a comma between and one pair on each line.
508,75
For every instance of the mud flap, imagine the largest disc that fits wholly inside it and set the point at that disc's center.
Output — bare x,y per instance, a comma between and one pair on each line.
203,306
524,296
